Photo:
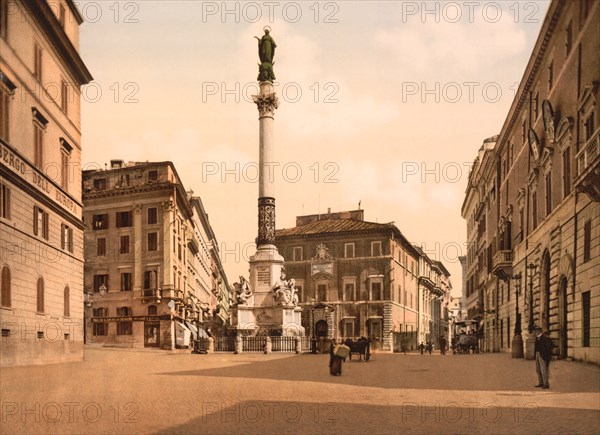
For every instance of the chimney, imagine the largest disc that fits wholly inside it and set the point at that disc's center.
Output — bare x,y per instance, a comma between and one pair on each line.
116,164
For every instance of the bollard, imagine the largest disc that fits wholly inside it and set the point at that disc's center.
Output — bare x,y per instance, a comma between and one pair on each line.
268,345
298,345
211,345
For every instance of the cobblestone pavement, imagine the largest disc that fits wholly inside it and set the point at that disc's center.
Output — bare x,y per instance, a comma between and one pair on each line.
134,392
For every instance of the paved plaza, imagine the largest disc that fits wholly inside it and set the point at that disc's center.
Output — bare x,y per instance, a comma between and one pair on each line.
153,392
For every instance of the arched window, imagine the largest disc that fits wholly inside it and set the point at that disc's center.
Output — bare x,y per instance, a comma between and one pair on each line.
40,295
152,310
67,299
6,287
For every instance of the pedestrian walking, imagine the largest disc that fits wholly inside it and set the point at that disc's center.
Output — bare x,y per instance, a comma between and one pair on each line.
422,348
429,347
543,355
443,345
336,357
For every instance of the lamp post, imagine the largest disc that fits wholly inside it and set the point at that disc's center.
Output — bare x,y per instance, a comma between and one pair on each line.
530,340
517,341
313,341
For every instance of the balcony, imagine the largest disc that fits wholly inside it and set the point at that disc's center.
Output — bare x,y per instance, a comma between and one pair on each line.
151,295
502,261
588,167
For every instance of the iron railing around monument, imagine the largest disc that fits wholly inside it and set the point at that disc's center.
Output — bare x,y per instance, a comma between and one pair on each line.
254,344
283,344
225,344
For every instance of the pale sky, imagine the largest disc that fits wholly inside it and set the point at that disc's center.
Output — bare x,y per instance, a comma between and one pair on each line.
381,102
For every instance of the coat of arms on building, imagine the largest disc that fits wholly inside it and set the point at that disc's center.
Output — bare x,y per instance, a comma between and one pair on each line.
321,253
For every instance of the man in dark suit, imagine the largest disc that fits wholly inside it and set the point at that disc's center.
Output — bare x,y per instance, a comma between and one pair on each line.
543,355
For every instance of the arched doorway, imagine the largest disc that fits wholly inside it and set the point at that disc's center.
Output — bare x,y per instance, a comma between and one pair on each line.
562,317
545,292
321,329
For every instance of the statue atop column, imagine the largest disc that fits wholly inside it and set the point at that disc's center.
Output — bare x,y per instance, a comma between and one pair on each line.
266,53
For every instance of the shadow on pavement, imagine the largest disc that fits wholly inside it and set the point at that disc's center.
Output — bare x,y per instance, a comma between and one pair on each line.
489,372
263,417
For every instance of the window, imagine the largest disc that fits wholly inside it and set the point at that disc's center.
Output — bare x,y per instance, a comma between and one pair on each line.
126,281
376,291
40,295
535,105
124,219
587,240
40,222
64,160
298,253
6,90
124,245
589,125
152,310
349,291
348,328
522,225
100,184
301,297
100,328
64,96
585,318
348,250
100,281
100,222
67,302
566,167
152,216
6,295
3,18
152,241
322,292
150,280
524,131
38,144
534,210
66,239
126,327
123,181
548,193
37,62
375,249
152,175
4,201
569,38
550,76
101,247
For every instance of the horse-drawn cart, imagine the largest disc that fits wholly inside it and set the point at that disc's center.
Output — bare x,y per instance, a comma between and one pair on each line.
361,347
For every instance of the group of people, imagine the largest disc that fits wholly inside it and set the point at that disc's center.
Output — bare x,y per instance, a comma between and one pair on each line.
428,347
543,356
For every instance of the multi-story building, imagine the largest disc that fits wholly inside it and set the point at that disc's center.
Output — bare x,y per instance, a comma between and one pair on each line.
152,269
434,292
355,278
534,198
41,232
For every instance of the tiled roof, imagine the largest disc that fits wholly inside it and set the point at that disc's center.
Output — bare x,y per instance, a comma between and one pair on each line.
332,226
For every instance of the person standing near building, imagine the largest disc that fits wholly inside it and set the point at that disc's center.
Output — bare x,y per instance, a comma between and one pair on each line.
422,348
443,345
543,355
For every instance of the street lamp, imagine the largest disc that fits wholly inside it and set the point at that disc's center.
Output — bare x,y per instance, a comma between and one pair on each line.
531,267
517,342
313,341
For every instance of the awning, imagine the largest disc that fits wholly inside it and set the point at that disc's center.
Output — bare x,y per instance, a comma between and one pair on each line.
192,328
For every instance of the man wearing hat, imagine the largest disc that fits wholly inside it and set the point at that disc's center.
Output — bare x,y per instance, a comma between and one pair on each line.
543,355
